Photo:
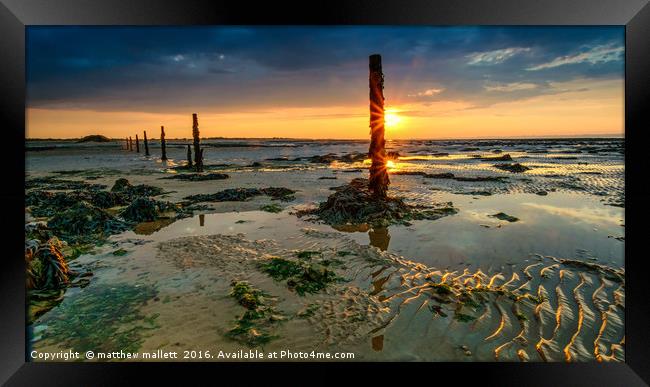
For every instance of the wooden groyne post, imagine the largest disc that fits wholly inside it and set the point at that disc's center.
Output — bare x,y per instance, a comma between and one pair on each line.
198,153
137,144
379,181
130,143
189,156
163,146
146,144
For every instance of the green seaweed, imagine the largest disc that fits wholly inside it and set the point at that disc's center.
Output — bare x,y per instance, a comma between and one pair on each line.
120,252
462,317
273,208
101,318
307,254
252,327
300,276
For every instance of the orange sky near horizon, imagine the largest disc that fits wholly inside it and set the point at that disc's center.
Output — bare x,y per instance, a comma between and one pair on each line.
571,111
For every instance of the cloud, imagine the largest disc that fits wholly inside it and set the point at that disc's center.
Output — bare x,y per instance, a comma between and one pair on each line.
595,55
495,56
507,87
428,92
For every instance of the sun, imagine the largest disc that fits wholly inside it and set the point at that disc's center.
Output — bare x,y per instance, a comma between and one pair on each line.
391,119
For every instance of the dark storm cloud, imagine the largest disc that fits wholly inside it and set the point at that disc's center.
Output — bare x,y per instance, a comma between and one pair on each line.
175,68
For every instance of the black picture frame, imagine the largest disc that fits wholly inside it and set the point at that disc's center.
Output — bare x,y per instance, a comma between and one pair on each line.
15,15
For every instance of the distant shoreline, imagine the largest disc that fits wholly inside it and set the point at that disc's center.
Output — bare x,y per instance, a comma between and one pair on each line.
588,137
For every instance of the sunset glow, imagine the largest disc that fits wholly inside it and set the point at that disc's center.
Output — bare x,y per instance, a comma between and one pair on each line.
497,82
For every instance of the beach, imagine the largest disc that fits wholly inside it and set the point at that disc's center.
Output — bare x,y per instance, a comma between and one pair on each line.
513,249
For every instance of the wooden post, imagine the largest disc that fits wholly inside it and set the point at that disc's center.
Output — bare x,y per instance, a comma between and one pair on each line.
379,181
137,144
146,144
198,163
162,143
189,156
130,143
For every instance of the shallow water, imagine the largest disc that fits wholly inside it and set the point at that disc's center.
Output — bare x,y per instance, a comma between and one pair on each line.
176,296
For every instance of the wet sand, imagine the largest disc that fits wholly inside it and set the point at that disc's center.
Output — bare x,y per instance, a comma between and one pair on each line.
471,286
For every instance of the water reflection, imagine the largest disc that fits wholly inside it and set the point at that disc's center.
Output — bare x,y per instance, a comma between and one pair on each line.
378,343
379,237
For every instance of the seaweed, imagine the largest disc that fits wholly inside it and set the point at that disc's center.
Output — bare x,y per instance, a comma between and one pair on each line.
142,209
307,254
46,266
308,311
462,317
505,157
504,216
243,194
95,319
83,222
273,208
251,328
198,176
353,203
514,168
300,276
54,183
131,192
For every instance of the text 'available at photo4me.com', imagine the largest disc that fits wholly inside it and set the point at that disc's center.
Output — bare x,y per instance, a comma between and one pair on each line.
184,355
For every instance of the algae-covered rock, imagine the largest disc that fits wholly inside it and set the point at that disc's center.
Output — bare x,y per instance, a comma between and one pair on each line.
131,192
354,203
142,209
84,220
121,185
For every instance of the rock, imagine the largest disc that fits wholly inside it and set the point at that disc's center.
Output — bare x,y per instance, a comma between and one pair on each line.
504,216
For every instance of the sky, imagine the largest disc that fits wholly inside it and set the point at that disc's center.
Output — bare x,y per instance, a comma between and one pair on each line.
312,82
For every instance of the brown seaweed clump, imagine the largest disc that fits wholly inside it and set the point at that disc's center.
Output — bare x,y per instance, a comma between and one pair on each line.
354,203
46,265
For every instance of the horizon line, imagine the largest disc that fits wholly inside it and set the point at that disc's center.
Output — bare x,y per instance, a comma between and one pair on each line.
568,136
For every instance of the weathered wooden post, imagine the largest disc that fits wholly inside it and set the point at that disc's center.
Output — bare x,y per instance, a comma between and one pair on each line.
189,156
379,181
146,144
198,162
130,143
126,143
163,146
137,144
